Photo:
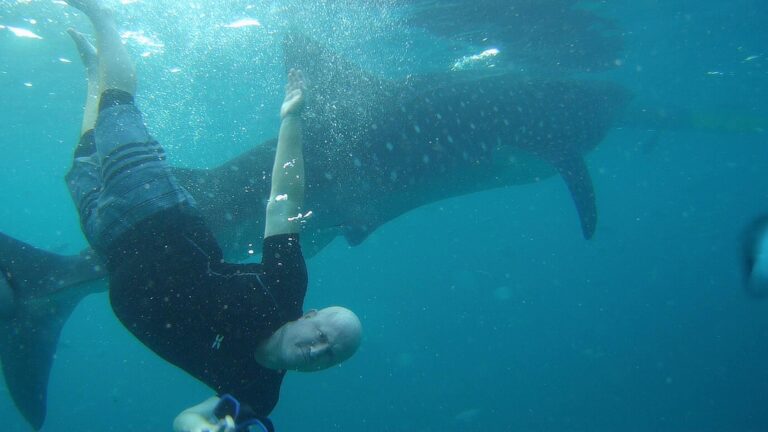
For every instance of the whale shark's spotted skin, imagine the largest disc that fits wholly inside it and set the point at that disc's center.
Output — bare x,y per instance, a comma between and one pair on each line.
376,149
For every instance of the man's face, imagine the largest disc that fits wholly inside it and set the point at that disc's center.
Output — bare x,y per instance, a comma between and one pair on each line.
307,346
319,340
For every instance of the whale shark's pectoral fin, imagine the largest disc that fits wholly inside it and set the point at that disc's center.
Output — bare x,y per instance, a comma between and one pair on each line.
39,291
576,175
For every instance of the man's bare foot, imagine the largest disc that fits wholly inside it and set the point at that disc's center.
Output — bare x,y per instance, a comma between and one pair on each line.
87,51
94,9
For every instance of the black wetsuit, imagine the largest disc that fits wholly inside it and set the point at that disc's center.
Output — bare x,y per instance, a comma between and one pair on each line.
170,287
169,284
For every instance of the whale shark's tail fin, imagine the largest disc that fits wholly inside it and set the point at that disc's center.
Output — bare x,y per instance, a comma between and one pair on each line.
38,291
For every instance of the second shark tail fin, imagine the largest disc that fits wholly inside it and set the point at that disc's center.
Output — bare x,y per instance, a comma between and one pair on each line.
755,258
38,292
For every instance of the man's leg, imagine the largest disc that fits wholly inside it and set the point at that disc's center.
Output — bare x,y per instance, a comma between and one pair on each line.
116,70
90,60
135,179
84,178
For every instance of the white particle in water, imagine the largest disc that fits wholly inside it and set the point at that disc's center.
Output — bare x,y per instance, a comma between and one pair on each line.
23,33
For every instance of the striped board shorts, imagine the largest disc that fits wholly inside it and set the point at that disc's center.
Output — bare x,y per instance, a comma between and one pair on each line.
119,175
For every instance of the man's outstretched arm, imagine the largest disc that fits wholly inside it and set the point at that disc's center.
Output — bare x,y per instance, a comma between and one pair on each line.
287,195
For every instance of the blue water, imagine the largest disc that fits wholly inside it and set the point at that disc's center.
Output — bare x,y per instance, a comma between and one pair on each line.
487,312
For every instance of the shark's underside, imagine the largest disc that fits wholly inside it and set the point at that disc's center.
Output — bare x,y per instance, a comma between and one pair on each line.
374,149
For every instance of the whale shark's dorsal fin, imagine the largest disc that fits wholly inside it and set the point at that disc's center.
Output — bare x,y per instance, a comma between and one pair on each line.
37,302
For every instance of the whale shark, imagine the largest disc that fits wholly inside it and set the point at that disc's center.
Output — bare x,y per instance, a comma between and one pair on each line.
374,149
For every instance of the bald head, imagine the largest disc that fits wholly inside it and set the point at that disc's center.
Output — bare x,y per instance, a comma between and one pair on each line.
316,341
344,331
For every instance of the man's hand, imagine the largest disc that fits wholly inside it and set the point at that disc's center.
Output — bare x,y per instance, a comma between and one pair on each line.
193,422
293,103
200,418
224,425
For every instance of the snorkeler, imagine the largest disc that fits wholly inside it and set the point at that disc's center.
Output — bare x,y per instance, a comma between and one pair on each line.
755,258
235,327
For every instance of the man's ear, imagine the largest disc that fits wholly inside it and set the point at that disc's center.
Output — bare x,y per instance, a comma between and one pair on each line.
310,313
